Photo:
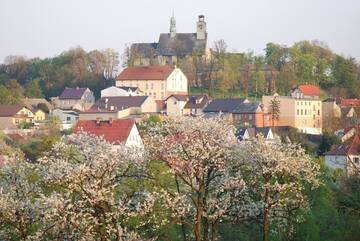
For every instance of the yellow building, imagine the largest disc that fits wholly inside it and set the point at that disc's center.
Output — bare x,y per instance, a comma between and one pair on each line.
158,82
305,114
12,115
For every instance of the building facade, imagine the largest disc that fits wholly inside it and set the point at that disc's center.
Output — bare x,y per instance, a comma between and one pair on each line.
158,82
75,99
305,114
172,47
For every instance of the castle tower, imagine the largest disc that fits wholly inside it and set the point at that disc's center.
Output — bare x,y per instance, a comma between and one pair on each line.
201,28
172,26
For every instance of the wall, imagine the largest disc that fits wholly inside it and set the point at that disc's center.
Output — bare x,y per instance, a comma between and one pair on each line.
152,88
134,139
336,162
174,107
6,122
303,114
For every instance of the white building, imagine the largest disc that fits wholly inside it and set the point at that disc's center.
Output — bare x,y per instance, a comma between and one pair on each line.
120,91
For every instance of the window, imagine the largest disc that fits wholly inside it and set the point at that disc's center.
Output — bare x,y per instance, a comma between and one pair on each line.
314,117
302,112
356,160
152,85
318,112
250,117
305,112
68,118
146,86
297,111
162,86
314,108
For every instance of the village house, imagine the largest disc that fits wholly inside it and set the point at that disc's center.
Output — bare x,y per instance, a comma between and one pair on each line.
74,99
350,102
116,132
119,107
68,118
172,47
196,104
345,156
158,82
13,115
38,106
244,134
178,105
120,91
306,91
225,107
298,111
175,105
251,114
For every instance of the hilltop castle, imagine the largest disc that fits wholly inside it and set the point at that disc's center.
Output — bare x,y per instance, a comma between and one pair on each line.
172,46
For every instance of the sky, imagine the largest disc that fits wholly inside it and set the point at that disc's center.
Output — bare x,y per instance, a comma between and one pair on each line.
45,28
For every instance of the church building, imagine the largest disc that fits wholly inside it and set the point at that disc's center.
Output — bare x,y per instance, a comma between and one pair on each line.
172,46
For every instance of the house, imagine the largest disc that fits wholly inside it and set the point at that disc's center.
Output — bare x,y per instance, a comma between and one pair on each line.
175,105
302,113
75,98
330,111
119,107
350,102
306,91
120,91
223,106
345,156
116,132
251,114
68,118
159,82
39,106
252,132
172,47
12,115
196,104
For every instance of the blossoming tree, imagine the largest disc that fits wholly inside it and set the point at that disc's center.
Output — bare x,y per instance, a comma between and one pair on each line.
81,192
198,151
277,175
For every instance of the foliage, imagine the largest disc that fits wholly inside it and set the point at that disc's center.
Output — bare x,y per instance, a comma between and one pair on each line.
199,156
8,97
328,141
277,175
274,110
78,191
33,90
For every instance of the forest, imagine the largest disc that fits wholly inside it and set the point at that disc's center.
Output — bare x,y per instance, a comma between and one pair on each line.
225,74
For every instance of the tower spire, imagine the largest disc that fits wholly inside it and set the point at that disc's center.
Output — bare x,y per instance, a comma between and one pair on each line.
172,25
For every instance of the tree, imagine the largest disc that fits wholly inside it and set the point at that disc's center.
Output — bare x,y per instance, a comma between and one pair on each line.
345,74
199,155
8,97
328,141
81,190
274,110
33,90
111,63
277,175
19,209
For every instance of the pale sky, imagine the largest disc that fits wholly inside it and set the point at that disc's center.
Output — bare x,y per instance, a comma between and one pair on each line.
45,28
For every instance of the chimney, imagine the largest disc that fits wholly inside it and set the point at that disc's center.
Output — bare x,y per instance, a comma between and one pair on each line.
112,107
110,121
97,121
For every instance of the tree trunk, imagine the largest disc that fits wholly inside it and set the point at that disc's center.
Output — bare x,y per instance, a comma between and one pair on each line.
266,218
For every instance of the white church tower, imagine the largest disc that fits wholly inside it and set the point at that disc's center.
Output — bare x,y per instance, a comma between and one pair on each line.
201,28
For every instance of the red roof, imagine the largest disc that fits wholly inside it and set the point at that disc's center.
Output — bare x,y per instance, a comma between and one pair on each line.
146,73
115,132
9,110
349,147
350,102
310,90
